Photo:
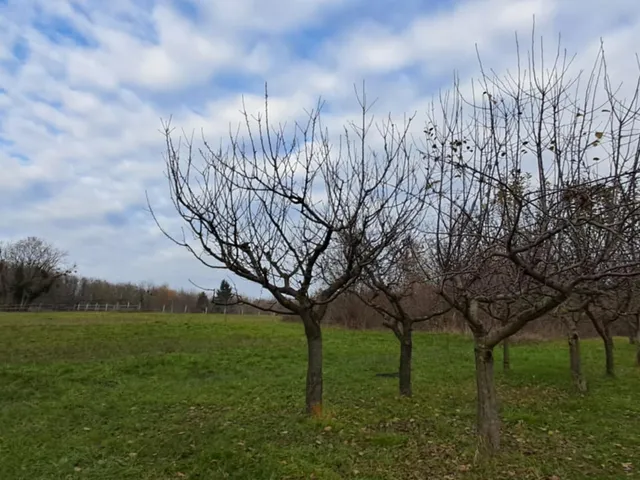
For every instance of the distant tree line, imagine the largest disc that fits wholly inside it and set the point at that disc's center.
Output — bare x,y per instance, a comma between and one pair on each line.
34,271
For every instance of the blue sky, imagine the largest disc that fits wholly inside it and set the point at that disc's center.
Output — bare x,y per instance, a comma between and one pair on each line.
84,84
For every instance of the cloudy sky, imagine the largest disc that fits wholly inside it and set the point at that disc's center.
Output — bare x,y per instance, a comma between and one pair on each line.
84,85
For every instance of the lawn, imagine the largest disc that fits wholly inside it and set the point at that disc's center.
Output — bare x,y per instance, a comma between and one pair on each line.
156,396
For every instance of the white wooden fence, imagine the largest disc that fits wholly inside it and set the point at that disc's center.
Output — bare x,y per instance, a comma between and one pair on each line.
111,307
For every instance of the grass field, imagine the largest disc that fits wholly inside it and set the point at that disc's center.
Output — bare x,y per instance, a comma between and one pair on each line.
136,396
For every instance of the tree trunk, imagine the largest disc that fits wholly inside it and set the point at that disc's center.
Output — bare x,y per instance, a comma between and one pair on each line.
608,352
406,347
575,360
487,403
506,359
634,330
314,367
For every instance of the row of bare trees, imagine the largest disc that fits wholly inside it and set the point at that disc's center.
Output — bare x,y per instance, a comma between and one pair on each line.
518,201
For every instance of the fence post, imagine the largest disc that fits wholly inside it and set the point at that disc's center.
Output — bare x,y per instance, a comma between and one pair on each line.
206,309
140,306
117,307
96,308
185,308
86,306
127,305
163,308
106,307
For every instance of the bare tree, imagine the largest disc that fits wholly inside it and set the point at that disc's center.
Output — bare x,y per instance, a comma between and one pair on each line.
632,315
632,319
571,314
29,268
605,309
560,140
392,282
272,205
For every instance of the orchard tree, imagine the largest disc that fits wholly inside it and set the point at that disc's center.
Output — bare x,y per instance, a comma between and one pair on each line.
605,309
632,319
392,282
272,204
520,158
571,313
632,315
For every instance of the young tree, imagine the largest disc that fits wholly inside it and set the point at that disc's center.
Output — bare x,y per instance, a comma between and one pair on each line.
202,302
271,206
571,314
575,357
223,297
547,125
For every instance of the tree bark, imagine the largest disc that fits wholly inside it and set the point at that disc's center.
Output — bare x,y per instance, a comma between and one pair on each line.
575,360
487,403
608,352
506,358
314,366
406,348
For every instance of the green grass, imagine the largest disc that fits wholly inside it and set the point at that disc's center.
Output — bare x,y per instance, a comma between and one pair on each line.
136,396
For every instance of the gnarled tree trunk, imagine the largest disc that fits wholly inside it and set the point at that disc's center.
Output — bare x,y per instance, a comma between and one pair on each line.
314,365
575,360
487,402
406,348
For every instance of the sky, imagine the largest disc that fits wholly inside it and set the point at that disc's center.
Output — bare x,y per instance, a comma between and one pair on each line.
85,84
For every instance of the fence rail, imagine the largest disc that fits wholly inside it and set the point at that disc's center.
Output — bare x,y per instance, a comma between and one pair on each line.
114,307
64,307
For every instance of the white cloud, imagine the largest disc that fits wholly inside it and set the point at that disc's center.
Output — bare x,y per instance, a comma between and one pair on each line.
87,117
